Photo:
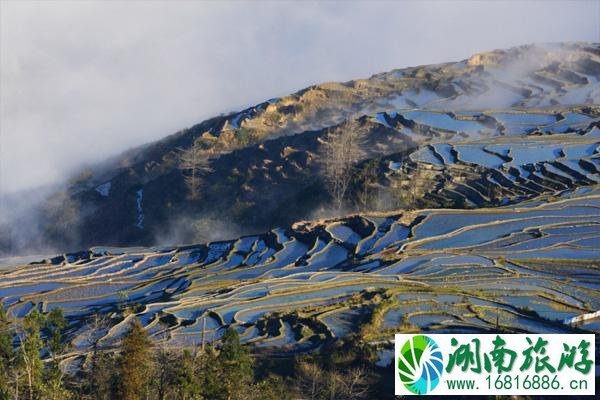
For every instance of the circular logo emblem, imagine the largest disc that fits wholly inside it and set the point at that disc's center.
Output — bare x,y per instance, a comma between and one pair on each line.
420,364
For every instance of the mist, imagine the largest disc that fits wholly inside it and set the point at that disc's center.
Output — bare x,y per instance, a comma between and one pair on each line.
81,81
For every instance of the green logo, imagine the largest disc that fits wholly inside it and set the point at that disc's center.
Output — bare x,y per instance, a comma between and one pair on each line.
420,364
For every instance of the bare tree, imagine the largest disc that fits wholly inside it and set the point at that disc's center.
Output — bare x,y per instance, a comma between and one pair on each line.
402,187
96,371
310,380
407,184
194,162
334,382
95,329
164,357
341,149
367,185
316,383
355,384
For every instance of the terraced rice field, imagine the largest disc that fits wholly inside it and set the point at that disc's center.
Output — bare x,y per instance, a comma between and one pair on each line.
506,236
520,268
473,159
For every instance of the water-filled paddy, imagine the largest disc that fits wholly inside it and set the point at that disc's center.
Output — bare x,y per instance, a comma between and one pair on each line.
452,274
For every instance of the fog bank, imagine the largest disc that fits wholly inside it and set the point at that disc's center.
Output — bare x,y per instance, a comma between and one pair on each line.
84,80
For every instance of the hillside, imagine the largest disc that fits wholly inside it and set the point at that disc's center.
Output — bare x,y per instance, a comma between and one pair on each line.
522,268
454,198
462,130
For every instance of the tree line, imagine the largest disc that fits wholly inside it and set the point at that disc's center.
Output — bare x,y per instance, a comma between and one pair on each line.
139,368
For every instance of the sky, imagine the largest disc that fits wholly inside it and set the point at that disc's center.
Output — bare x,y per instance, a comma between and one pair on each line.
82,81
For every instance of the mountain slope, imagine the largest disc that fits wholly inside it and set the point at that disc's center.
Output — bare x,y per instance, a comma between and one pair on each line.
266,164
524,268
471,204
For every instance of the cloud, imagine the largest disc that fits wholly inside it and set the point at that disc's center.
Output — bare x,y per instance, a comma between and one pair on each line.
81,81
